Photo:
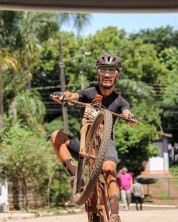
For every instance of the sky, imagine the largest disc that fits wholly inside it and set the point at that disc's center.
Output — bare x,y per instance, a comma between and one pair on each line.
132,23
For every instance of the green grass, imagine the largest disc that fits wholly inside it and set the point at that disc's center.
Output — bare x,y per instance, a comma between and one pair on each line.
163,195
174,170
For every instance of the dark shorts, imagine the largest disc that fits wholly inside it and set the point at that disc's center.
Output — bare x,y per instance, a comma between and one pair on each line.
111,154
138,199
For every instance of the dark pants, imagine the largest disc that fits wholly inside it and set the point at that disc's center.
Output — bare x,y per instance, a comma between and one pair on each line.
138,201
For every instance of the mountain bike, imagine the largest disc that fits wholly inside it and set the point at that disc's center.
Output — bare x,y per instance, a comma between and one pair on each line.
89,186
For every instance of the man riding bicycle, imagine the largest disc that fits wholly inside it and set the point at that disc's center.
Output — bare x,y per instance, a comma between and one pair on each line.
108,67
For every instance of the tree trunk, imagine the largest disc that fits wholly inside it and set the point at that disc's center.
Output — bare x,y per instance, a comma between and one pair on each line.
13,107
24,191
16,194
62,80
1,102
48,191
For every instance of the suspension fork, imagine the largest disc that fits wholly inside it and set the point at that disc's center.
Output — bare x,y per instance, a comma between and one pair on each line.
83,132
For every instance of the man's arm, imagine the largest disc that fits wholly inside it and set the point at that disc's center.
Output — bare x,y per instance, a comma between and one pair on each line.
131,182
142,191
70,95
127,112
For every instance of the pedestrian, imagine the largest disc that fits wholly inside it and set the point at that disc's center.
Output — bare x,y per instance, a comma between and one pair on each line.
125,183
138,194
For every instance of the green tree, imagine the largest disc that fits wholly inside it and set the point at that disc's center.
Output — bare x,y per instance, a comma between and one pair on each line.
161,38
7,61
134,145
30,109
47,69
140,62
32,28
26,157
169,103
8,22
24,143
169,57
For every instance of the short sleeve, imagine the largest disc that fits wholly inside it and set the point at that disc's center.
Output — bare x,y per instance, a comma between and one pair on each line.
124,104
81,94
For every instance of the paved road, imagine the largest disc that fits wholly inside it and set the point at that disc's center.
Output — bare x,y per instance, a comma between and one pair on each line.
147,215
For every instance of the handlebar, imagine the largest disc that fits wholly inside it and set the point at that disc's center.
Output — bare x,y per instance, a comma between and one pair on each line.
67,101
70,102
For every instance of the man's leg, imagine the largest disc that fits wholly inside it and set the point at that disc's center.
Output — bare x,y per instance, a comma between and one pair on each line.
60,142
124,199
140,201
136,202
109,171
128,196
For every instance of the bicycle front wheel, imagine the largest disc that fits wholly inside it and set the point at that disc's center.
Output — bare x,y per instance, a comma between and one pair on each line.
89,166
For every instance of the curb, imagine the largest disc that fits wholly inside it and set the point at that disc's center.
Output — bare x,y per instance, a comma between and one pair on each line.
154,205
4,217
16,216
10,216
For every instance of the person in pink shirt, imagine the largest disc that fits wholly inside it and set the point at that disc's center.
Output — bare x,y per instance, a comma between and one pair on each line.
125,181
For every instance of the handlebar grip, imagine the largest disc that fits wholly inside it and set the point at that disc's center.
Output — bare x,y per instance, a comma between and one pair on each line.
56,94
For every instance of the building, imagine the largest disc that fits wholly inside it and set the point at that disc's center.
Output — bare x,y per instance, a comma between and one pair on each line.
160,163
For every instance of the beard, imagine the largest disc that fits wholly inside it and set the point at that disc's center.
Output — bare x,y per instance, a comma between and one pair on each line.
107,86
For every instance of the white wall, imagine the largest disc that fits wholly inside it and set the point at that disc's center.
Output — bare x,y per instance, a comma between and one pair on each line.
155,164
4,206
159,163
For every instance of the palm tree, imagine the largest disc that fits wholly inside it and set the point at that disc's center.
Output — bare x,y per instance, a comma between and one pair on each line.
30,108
32,29
35,27
79,20
28,31
7,61
1,103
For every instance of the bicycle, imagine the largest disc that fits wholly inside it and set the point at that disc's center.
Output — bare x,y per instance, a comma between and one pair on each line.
95,133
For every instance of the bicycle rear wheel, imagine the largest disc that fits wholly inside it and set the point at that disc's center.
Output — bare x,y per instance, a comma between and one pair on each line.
89,167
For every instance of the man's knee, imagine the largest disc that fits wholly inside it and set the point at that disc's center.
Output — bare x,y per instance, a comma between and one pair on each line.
109,166
54,136
58,137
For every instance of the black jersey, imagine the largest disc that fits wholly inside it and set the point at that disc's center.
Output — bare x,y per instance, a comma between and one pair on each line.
114,102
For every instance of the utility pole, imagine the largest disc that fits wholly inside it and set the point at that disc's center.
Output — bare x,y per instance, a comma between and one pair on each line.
62,79
1,84
1,101
83,69
82,72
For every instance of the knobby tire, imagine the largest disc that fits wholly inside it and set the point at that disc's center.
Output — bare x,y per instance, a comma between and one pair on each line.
104,118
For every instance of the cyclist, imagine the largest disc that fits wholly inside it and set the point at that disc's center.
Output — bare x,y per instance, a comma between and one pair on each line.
108,67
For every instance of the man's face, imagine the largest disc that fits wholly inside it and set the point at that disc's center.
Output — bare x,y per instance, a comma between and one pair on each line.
107,77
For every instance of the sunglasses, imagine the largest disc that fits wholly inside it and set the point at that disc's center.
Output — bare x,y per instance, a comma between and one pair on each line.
109,71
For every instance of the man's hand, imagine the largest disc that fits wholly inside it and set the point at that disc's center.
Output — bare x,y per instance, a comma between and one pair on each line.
133,120
59,96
